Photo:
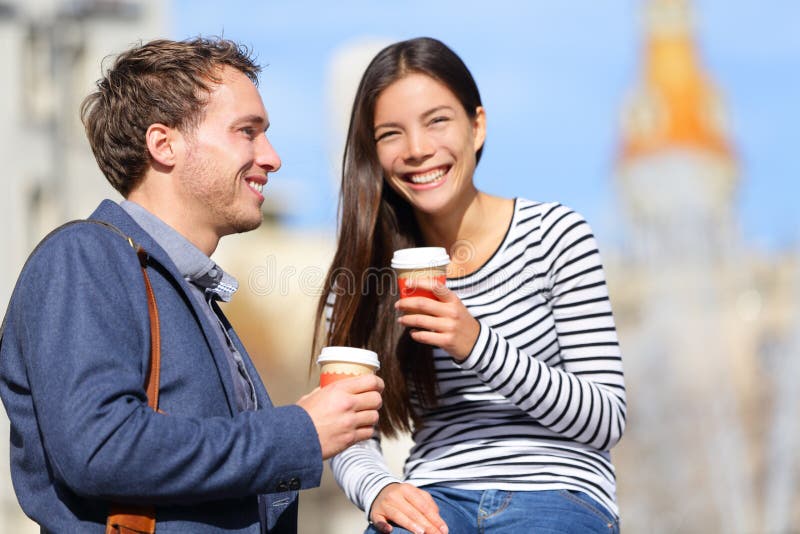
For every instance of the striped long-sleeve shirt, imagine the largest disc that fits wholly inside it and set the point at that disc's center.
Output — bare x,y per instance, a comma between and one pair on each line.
540,400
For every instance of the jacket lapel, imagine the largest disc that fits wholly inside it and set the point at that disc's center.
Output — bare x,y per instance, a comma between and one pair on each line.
110,212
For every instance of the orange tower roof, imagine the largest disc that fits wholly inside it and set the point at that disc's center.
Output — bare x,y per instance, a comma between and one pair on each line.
676,105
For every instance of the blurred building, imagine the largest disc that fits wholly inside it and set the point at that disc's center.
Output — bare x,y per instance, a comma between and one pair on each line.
50,52
708,324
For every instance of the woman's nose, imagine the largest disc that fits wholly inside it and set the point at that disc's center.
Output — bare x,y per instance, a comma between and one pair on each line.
418,147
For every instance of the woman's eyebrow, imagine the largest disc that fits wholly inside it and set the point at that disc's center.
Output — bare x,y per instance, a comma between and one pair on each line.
425,114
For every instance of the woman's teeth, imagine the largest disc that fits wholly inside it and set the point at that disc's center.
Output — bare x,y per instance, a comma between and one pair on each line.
426,178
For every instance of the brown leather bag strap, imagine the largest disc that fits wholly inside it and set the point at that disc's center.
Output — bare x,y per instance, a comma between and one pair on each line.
130,519
153,377
127,518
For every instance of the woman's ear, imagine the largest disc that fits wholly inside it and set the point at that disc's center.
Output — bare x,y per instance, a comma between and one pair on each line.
479,127
161,144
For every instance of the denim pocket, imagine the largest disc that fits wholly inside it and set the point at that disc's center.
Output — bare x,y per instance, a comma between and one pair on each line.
592,506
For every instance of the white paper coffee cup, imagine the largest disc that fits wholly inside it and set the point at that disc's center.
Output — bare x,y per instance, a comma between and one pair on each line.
419,262
337,363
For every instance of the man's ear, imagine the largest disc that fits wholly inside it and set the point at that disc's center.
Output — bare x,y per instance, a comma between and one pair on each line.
161,143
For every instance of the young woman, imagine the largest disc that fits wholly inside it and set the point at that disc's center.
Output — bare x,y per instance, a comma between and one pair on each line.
511,381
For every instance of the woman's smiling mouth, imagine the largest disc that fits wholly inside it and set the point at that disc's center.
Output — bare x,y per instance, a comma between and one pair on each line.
427,177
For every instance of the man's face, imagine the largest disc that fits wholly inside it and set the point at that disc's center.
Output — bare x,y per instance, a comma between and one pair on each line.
227,159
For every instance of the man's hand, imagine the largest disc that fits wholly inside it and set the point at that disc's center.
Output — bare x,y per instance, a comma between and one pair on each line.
408,507
344,412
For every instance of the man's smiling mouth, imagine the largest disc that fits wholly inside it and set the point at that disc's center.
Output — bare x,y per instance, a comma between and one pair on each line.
256,186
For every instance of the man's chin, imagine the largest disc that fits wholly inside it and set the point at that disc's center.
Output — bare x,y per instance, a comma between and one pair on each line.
249,225
242,225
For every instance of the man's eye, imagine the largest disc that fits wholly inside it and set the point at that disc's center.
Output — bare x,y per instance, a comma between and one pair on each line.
249,132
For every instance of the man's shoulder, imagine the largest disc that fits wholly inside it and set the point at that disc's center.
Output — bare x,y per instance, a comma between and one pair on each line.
79,236
79,249
75,261
107,228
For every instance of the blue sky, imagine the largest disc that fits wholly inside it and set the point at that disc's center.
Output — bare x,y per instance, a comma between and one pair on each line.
552,75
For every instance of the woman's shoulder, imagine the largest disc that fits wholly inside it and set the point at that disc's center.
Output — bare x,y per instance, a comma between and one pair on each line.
547,212
541,207
545,222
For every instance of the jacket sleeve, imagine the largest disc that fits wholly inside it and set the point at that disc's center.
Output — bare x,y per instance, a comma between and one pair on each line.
84,334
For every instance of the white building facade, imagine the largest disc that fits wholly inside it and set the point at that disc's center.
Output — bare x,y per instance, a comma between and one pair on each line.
50,54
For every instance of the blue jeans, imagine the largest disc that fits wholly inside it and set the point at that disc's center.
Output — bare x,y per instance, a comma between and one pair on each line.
518,512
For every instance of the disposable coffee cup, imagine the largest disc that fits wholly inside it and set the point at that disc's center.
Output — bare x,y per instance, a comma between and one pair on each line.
337,363
420,262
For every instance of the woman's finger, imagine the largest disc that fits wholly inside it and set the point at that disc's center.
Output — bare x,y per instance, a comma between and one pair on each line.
423,322
381,524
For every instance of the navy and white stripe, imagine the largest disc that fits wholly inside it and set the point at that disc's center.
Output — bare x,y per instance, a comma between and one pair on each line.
540,400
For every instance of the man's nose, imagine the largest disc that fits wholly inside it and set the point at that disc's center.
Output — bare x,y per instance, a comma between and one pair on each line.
266,156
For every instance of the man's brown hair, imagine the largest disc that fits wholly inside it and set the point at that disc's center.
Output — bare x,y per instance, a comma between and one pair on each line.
161,81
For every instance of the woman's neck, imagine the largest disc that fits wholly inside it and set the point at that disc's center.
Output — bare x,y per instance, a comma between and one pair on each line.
457,223
471,232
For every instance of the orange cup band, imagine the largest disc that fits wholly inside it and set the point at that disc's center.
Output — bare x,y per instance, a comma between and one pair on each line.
329,378
406,291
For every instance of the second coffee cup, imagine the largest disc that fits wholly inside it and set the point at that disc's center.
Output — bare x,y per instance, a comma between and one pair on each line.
337,363
419,262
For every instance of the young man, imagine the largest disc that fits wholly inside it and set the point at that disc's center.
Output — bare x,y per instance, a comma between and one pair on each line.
178,128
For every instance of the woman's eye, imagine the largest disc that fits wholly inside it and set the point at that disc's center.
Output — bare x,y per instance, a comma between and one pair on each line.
439,120
385,135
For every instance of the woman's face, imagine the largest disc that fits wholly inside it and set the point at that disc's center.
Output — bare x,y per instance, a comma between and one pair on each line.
426,142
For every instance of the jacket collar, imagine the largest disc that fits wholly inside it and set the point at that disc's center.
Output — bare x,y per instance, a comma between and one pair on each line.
111,212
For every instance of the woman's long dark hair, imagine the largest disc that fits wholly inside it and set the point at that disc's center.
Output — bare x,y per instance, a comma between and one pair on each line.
374,222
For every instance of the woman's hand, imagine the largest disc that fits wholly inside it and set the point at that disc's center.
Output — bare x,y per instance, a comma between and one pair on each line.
445,323
408,507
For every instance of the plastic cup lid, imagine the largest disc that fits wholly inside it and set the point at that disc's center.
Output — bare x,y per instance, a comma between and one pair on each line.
349,354
420,258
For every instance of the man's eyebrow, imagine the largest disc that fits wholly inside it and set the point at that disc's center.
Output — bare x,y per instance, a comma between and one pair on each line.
257,120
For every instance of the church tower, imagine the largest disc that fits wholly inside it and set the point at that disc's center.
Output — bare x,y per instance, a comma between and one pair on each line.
676,174
676,169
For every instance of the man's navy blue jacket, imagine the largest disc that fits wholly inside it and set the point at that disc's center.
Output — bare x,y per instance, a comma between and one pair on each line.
73,353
